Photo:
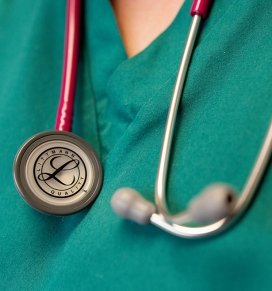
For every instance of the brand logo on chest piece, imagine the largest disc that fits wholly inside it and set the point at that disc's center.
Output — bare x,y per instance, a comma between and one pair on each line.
59,172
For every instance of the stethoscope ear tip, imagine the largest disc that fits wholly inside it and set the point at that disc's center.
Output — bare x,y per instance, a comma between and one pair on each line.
215,202
129,204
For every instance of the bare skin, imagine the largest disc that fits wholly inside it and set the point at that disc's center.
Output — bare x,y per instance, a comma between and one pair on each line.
141,21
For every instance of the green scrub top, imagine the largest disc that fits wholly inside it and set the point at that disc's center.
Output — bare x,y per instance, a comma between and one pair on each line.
121,109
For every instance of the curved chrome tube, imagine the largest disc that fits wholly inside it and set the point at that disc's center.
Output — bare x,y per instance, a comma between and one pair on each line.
168,222
171,119
176,224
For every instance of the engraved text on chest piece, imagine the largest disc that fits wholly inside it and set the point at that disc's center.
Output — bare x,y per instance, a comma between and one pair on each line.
60,172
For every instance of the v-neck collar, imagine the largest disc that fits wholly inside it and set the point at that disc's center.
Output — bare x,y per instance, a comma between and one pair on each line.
122,85
106,51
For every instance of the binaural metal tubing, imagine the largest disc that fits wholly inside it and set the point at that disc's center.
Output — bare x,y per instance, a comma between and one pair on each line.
176,224
257,172
171,119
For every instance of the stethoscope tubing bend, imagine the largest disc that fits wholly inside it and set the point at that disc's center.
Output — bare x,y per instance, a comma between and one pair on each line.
176,224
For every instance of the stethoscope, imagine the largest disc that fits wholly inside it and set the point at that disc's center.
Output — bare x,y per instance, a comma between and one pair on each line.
218,206
57,172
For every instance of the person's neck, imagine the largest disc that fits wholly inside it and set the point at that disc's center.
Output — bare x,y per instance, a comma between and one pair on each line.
141,21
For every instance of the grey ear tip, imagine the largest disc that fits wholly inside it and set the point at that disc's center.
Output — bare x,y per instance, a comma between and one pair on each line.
214,203
129,204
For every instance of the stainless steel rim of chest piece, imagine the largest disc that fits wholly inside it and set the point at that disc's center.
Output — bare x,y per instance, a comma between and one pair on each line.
57,172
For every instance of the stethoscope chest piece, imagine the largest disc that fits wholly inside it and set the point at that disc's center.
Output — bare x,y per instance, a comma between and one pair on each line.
57,172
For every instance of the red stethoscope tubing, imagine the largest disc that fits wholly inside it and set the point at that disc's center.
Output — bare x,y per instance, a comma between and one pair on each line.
70,62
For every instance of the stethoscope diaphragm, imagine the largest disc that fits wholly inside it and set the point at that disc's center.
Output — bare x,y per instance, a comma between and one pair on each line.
57,172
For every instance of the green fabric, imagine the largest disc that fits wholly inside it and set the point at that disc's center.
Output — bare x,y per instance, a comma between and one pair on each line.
121,109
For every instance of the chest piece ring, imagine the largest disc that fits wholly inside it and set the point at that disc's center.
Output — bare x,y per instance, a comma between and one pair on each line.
57,172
